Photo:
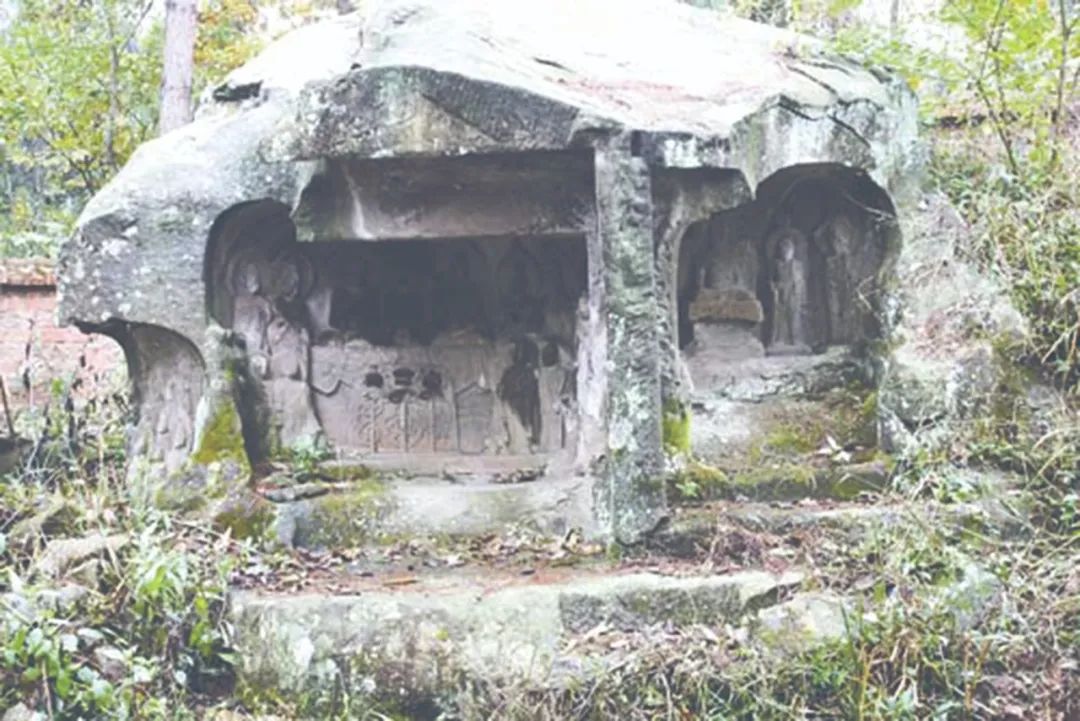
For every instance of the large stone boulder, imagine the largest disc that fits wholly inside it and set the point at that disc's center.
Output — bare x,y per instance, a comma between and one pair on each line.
468,234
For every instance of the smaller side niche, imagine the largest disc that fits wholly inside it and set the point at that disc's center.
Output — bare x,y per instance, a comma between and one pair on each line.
722,314
167,374
793,273
260,285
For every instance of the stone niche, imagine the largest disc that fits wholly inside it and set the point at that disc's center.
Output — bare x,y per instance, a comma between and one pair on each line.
793,273
433,311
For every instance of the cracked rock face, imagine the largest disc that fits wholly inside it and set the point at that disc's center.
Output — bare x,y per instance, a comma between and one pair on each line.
502,237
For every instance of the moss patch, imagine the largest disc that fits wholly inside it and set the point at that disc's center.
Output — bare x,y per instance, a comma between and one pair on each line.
790,439
793,481
195,486
848,416
697,481
180,496
222,439
1005,430
345,519
676,428
244,517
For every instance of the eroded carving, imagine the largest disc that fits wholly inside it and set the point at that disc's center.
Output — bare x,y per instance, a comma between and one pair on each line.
723,315
849,275
174,425
788,286
270,287
168,377
789,274
413,347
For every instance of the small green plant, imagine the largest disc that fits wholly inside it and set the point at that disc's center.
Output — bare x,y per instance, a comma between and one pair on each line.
149,636
139,632
79,87
697,481
306,457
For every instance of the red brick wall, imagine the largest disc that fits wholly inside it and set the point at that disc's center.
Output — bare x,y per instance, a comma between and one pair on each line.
33,348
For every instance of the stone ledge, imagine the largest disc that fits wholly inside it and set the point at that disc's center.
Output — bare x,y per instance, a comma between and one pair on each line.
374,510
694,528
422,639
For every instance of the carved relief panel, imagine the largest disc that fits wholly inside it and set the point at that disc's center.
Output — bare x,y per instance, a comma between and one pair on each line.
168,377
269,287
411,347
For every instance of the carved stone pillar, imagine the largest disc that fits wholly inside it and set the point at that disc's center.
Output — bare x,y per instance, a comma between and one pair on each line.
630,498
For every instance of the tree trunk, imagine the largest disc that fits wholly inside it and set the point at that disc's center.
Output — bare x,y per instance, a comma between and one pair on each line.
180,23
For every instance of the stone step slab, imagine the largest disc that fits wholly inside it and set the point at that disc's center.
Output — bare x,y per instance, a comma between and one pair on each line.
430,636
353,514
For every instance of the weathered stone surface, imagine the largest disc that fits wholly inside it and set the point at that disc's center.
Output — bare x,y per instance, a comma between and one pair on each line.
57,517
630,495
805,620
111,662
428,639
693,530
30,605
945,319
568,69
971,597
772,481
22,712
370,511
635,602
720,305
505,233
763,378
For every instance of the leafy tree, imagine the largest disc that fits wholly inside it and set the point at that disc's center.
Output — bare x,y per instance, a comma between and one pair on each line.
79,91
226,38
78,86
1000,98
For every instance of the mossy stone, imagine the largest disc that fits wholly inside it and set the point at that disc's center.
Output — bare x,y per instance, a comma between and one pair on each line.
697,481
222,439
789,482
346,518
59,517
246,516
676,428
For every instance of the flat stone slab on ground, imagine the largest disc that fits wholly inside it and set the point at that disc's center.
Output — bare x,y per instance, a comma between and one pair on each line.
490,626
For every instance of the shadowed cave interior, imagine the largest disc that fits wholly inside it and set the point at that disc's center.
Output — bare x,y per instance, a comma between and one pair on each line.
406,347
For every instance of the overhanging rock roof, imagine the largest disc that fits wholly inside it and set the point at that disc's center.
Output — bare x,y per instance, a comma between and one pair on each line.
702,88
